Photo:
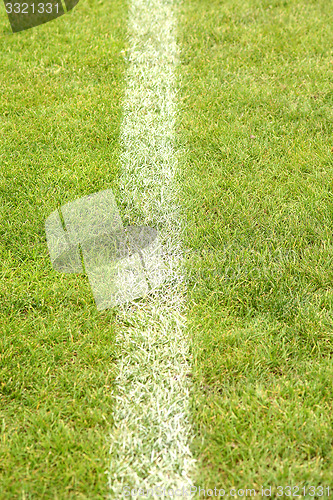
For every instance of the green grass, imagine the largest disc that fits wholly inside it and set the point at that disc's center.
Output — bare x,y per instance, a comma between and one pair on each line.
255,120
61,87
256,123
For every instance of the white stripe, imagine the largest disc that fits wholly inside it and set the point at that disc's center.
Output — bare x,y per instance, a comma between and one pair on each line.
152,432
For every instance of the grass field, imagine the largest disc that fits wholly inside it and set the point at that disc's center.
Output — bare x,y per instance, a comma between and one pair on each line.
254,133
60,112
256,122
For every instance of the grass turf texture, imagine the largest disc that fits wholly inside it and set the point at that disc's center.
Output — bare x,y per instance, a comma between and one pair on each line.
259,234
60,112
256,121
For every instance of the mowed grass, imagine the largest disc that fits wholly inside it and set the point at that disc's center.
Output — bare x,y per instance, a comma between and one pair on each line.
255,121
61,87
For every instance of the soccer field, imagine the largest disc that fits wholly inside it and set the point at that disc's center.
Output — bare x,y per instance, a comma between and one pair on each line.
253,139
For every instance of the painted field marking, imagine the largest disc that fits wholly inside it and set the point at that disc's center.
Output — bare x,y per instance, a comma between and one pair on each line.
152,431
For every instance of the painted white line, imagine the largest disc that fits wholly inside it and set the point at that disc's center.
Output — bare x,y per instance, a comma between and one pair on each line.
152,431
